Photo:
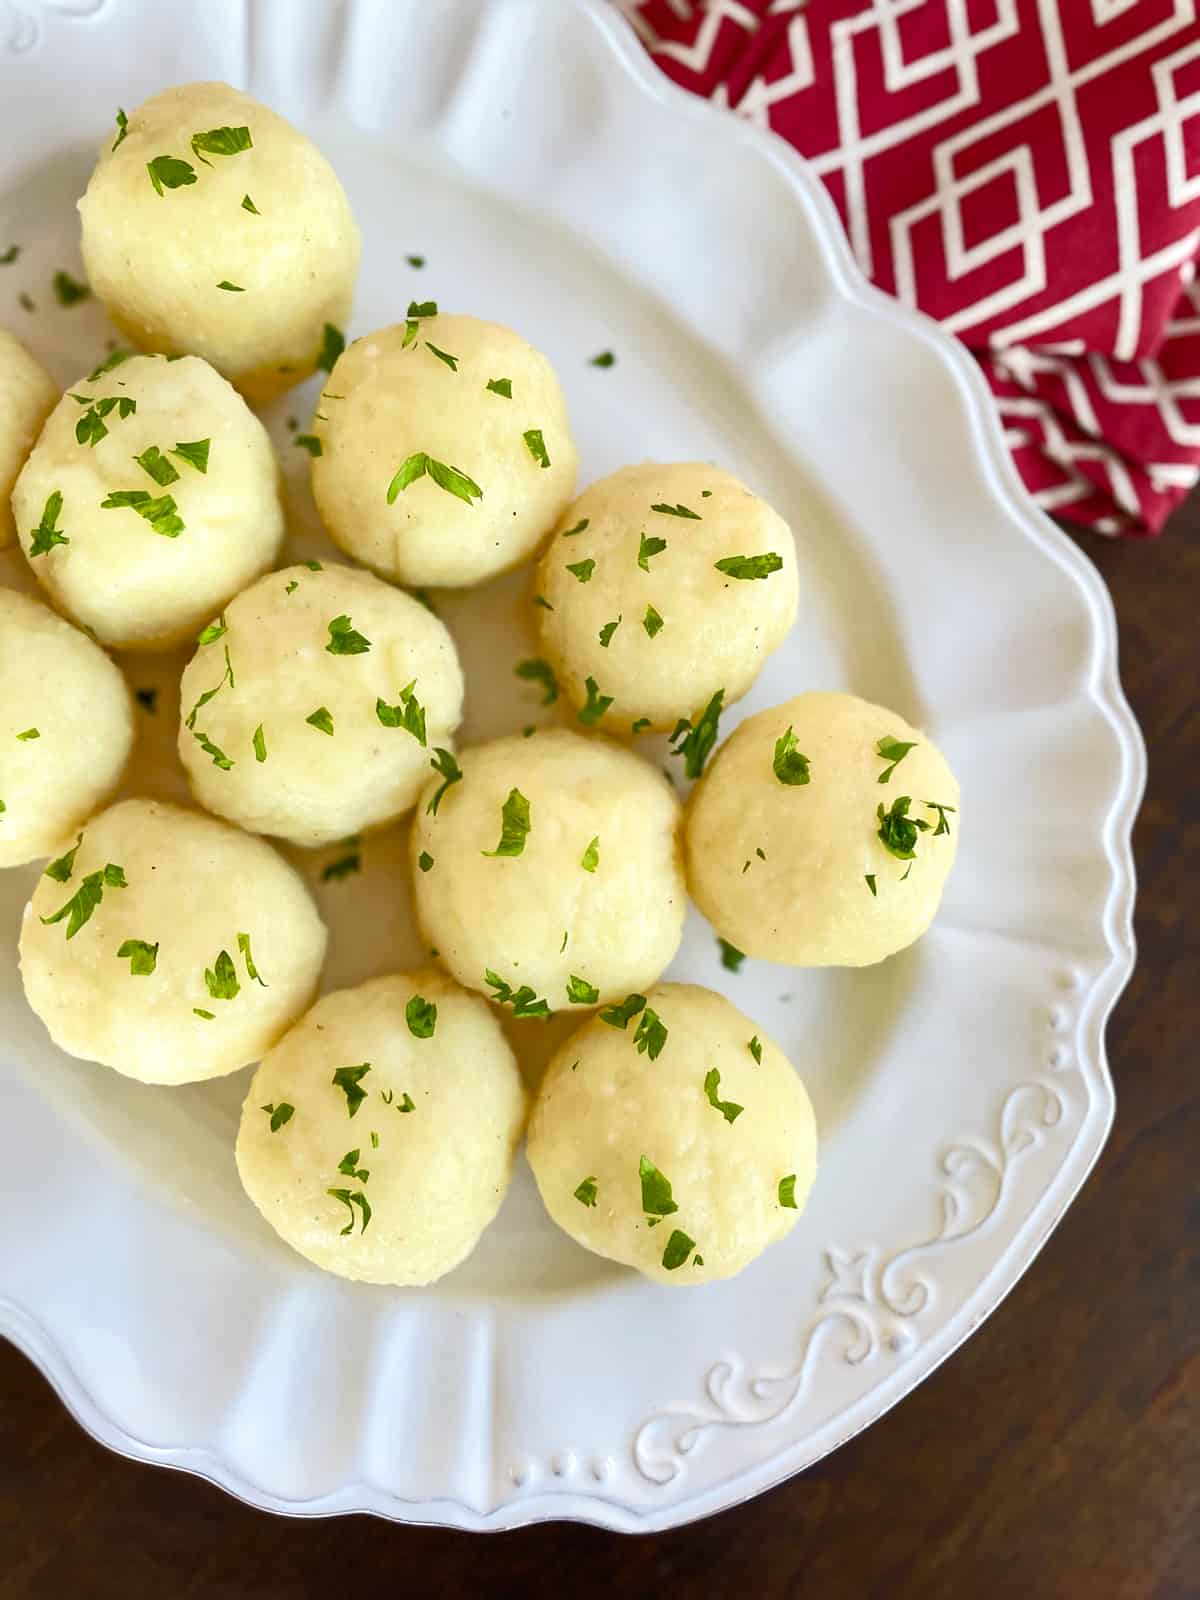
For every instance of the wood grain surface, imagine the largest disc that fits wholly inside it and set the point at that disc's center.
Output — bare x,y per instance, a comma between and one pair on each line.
1056,1454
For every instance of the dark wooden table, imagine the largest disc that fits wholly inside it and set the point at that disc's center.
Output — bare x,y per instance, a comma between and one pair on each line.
1057,1454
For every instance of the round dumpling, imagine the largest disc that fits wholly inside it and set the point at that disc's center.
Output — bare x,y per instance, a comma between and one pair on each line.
169,946
66,727
150,499
312,704
211,227
446,453
680,1141
822,833
663,585
27,396
378,1136
548,873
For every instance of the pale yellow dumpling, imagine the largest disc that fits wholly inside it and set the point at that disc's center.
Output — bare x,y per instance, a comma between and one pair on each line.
27,396
212,227
378,1136
677,1139
801,850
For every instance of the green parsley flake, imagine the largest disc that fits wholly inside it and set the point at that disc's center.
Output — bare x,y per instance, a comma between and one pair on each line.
651,1034
62,868
219,758
694,742
321,719
415,261
580,992
168,172
221,142
313,566
524,1000
535,670
448,769
243,944
260,744
597,704
221,979
87,897
750,566
290,588
160,512
142,957
351,1198
348,1080
309,442
657,1200
649,547
582,569
586,1192
591,856
640,725
500,386
676,511
416,310
790,767
280,1114
898,832
425,861
153,461
374,1140
540,600
604,359
443,356
209,1016
7,257
333,342
515,826
109,363
536,446
248,205
90,429
943,826
69,291
620,1015
421,1016
787,1192
122,129
213,631
195,453
406,1104
408,714
30,733
869,879
335,871
652,622
446,477
348,1166
893,751
755,1049
47,533
345,640
679,1247
731,956
607,631
569,533
712,1087
231,288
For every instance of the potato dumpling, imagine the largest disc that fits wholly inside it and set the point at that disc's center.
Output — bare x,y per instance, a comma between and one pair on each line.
66,727
312,705
548,874
662,585
671,1135
446,453
211,227
27,396
150,499
169,946
378,1135
822,833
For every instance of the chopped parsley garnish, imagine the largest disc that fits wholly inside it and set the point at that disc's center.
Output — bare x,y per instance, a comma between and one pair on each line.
791,768
309,442
620,1015
536,446
731,956
648,547
160,512
194,452
416,310
514,826
29,733
348,1166
446,477
712,1089
604,359
260,744
313,566
569,533
321,719
47,533
374,1140
415,261
679,1247
652,622
694,742
290,588
153,462
344,865
425,861
209,1016
750,566
580,992
586,1192
345,640
869,880
448,769
142,957
538,671
894,752
640,725
591,856
213,631
122,129
333,342
675,511
421,1016
7,257
243,944
582,569
524,1000
597,704
231,288
906,872
87,897
221,142
147,699
787,1192
280,1114
406,1104
69,291
221,979
351,1198
90,428
62,868
348,1080
443,356
168,172
540,600
500,386
109,363
651,1034
943,826
248,205
657,1200
219,758
755,1049
408,714
898,832
607,631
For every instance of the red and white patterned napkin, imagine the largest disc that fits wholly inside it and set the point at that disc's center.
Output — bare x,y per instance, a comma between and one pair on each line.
1025,171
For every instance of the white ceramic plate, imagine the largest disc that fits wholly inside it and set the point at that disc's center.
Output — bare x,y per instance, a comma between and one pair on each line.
556,182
